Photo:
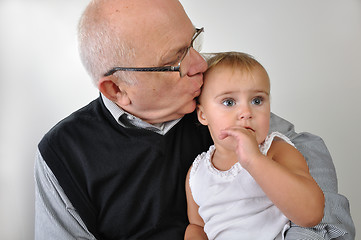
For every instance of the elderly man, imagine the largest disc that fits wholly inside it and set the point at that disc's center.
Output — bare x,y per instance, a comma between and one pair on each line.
115,169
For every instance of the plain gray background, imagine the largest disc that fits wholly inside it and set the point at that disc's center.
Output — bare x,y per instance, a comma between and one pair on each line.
311,50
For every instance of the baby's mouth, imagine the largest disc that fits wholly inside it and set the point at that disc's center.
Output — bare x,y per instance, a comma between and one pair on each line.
249,128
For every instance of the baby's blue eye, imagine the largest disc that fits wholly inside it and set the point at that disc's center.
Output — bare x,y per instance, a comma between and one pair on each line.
228,102
257,100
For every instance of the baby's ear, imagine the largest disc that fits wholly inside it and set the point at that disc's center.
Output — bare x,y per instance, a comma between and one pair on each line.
201,115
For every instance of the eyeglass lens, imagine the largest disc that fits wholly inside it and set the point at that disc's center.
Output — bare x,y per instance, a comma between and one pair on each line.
196,44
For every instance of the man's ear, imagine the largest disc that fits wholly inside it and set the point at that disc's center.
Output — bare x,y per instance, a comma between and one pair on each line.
115,92
201,116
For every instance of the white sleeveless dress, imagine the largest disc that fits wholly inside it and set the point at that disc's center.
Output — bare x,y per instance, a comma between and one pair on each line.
232,204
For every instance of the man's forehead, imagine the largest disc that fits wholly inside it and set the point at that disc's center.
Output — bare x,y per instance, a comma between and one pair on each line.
143,17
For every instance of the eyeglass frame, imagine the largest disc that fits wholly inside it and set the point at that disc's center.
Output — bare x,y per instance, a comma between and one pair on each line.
159,69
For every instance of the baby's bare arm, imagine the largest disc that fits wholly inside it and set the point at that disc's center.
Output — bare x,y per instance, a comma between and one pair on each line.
283,175
194,230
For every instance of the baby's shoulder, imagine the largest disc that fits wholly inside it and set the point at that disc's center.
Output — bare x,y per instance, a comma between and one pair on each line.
274,142
201,159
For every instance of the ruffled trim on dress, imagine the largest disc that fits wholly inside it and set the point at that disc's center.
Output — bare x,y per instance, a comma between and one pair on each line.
206,157
264,147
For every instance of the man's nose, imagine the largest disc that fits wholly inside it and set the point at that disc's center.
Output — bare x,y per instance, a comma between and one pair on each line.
198,63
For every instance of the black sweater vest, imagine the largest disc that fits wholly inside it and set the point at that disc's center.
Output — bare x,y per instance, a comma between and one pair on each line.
125,183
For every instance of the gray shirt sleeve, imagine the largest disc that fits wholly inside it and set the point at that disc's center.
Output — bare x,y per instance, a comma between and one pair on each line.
337,222
55,216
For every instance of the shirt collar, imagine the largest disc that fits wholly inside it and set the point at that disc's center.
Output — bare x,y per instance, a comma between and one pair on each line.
128,120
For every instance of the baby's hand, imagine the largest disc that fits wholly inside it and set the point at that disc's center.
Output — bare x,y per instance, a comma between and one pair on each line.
246,146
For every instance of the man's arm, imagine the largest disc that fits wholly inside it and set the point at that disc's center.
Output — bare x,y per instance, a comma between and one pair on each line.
55,217
337,222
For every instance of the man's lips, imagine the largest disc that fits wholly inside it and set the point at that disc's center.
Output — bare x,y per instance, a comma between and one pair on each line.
198,92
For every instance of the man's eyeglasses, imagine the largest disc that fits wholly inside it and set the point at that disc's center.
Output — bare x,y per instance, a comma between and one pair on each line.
196,44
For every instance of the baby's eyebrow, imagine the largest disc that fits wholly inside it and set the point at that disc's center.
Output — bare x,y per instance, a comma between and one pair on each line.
224,93
262,91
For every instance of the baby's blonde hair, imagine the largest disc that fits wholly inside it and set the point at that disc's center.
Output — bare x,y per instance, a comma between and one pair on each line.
239,60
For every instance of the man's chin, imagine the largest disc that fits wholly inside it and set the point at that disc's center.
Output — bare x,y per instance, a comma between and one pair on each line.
191,107
185,109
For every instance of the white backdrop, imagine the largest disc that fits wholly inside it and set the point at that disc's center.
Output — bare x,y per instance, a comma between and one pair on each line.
311,49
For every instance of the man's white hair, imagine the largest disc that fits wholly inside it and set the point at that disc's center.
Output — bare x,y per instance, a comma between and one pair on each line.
101,46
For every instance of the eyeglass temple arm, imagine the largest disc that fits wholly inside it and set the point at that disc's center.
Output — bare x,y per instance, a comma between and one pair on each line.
145,69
